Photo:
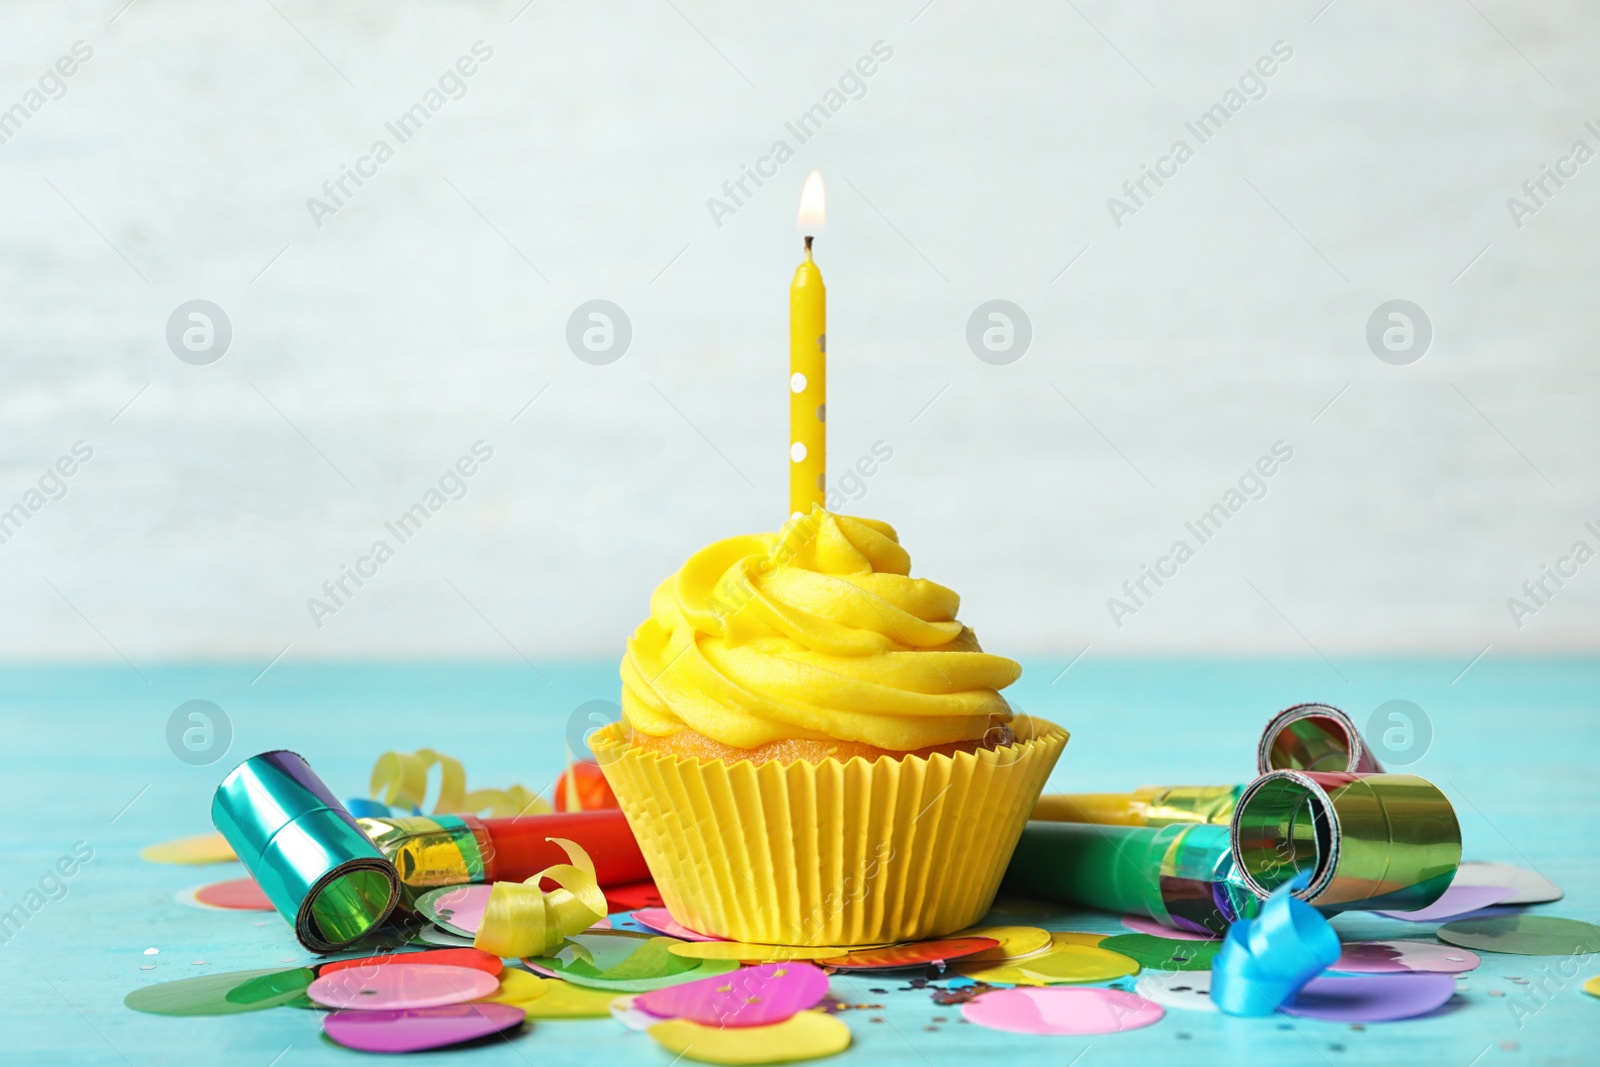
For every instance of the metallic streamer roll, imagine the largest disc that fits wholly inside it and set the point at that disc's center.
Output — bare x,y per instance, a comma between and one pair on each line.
1314,737
309,856
1306,737
1366,840
1182,876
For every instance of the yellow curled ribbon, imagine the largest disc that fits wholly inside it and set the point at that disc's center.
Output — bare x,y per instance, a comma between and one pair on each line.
520,919
400,780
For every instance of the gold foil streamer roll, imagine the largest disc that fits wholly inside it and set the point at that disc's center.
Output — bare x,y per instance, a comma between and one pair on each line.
1367,840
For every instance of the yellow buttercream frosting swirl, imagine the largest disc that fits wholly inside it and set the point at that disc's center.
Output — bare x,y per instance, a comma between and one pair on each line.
818,632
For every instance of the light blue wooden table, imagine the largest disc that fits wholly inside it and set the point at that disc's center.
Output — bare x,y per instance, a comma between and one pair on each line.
1515,744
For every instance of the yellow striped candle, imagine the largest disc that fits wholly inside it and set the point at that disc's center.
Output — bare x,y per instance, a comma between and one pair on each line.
808,365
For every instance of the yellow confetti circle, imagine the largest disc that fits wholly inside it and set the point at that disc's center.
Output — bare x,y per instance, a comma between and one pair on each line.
1592,986
563,1000
518,986
806,1036
1073,937
1015,942
744,951
190,851
1064,963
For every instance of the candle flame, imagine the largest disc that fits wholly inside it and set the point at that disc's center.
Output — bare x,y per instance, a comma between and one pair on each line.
813,205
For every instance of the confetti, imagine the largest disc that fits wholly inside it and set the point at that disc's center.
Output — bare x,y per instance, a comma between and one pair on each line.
1066,960
1188,990
222,994
1164,953
624,1011
458,909
449,957
432,935
914,954
1073,1012
1393,957
240,894
661,921
1456,901
807,1036
518,987
1372,998
754,996
626,963
563,1000
417,1029
1530,887
1528,935
191,851
1015,941
745,952
404,985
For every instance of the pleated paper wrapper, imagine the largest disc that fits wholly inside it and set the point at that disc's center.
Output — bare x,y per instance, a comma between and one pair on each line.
830,853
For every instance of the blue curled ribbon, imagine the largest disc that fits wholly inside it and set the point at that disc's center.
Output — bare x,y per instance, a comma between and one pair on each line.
1265,961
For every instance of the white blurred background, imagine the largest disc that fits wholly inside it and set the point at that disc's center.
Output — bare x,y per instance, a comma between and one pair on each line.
1228,312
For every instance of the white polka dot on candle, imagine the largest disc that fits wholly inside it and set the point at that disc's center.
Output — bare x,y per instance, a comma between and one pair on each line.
797,382
797,452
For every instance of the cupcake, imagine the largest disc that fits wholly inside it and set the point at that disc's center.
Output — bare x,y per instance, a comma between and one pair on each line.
813,750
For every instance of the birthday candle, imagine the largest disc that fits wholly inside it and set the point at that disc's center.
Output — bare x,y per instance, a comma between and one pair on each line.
808,365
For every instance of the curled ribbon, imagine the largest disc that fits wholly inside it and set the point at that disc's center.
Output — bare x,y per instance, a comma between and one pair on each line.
520,919
400,780
1265,961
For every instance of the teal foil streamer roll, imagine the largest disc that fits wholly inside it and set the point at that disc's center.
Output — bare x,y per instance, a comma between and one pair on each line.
308,855
1180,875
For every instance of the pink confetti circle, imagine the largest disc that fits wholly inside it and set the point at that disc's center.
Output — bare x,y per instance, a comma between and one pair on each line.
750,996
661,921
1140,924
417,1029
401,985
460,906
1080,1011
1400,957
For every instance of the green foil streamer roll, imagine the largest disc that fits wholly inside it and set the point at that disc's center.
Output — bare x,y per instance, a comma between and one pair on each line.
306,852
1314,737
1180,875
1368,841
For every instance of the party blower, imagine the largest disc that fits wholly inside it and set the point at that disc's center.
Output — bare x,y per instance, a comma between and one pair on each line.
1200,857
322,873
429,851
1306,737
335,878
1364,841
1182,876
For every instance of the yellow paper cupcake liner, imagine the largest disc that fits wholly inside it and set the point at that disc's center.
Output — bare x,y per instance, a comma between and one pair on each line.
830,853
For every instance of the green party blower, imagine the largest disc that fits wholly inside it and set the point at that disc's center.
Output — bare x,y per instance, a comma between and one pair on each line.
1182,876
1198,857
305,850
